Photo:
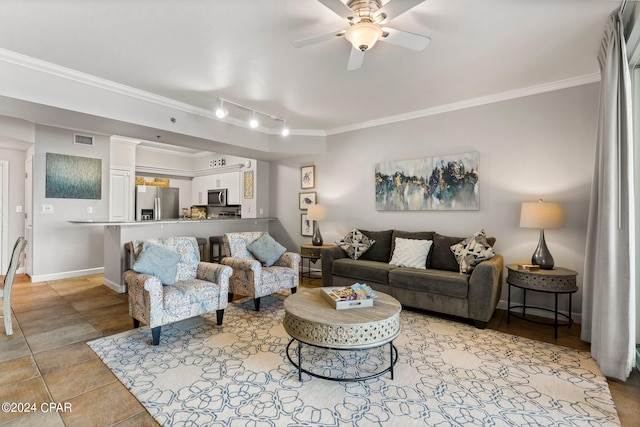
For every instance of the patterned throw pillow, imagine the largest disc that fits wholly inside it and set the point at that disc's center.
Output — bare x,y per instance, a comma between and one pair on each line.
472,251
355,243
411,253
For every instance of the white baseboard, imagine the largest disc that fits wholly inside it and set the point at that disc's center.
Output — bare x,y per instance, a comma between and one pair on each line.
577,317
66,274
121,289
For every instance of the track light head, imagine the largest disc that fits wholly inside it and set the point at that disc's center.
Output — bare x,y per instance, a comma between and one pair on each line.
222,112
253,123
285,130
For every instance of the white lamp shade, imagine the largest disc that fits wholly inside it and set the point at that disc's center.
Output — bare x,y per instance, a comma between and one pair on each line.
316,213
541,215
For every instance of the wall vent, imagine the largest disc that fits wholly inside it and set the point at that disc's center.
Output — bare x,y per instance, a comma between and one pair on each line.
217,163
82,139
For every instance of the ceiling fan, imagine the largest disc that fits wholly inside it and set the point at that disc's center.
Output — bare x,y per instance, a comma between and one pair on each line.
365,18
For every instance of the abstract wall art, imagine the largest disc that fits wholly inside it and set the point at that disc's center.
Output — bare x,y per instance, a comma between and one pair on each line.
73,177
426,184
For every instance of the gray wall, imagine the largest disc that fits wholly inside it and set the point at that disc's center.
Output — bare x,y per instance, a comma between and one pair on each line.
61,249
540,146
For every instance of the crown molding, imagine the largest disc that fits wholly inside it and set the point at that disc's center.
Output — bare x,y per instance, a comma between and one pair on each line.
474,102
108,85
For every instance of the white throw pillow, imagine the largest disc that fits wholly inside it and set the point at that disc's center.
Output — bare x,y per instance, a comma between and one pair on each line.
411,253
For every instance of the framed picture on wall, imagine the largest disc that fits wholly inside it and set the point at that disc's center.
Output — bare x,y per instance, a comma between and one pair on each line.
307,199
308,177
307,227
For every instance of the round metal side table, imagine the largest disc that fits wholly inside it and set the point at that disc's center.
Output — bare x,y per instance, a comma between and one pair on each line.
557,282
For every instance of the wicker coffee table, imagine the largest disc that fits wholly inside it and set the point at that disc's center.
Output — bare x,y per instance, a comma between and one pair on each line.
309,319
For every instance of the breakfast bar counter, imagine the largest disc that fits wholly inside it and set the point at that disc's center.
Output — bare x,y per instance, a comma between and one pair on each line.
118,233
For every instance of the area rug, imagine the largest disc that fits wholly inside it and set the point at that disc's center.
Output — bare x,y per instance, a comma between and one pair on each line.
447,374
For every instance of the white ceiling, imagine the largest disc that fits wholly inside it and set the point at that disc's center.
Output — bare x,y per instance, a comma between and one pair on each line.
199,50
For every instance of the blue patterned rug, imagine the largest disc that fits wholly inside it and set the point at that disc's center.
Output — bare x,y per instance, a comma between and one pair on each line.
447,374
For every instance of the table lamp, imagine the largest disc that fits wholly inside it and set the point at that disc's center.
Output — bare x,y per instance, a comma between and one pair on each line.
541,215
316,213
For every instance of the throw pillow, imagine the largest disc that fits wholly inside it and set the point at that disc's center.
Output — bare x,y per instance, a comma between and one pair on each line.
411,253
158,261
472,251
355,243
266,250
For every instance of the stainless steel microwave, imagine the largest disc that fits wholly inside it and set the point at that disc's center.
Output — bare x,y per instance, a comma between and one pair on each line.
217,197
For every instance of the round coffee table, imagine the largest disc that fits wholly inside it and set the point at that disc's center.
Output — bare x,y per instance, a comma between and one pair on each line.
311,320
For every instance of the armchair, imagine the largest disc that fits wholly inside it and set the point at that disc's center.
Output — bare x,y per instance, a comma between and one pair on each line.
195,288
250,277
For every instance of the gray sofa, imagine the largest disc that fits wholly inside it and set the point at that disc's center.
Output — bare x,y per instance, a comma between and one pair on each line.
439,288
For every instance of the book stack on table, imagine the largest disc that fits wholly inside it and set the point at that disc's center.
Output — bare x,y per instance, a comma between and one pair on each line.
355,296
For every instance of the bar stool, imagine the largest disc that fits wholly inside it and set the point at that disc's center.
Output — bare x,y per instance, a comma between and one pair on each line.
202,242
215,241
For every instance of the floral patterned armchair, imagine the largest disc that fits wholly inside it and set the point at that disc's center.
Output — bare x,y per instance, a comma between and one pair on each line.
250,277
190,289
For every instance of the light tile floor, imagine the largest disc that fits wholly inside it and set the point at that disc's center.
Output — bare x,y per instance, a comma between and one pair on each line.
47,360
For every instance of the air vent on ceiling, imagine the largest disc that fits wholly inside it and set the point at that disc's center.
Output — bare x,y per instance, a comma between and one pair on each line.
83,139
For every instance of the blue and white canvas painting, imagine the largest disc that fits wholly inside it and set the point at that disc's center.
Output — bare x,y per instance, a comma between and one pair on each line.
73,177
430,183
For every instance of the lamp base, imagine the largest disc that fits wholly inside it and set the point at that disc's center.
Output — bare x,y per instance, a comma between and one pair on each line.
542,256
316,240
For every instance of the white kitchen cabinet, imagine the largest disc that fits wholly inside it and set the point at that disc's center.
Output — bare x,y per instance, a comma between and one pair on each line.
199,190
120,194
231,181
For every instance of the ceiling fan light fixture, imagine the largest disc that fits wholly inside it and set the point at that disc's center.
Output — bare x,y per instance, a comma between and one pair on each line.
363,35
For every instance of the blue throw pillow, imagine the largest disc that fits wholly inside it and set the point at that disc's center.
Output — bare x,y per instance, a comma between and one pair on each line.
266,250
158,261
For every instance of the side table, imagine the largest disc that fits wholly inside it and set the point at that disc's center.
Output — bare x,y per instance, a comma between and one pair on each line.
557,281
311,253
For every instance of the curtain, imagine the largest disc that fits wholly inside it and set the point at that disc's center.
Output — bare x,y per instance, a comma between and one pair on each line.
608,295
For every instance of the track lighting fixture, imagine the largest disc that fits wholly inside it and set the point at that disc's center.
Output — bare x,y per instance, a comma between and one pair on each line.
253,123
284,131
222,112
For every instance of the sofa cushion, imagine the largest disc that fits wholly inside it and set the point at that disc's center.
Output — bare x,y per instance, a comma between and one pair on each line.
441,256
266,250
472,251
411,253
355,243
361,270
451,284
158,261
381,250
418,235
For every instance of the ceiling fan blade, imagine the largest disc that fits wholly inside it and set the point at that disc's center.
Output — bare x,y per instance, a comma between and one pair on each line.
318,39
338,8
405,39
355,59
396,7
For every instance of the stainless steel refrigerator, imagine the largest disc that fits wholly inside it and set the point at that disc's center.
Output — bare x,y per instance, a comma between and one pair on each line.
156,203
